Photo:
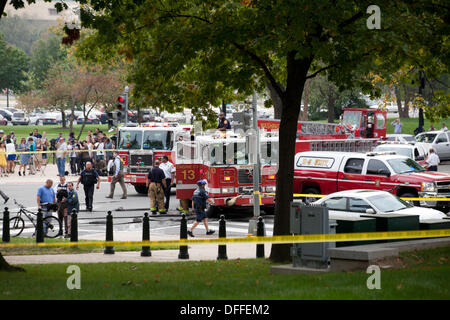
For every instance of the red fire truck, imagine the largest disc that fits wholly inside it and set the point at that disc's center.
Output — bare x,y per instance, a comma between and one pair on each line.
223,160
140,146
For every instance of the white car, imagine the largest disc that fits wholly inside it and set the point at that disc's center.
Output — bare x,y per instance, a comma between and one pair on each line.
438,140
353,203
19,118
417,152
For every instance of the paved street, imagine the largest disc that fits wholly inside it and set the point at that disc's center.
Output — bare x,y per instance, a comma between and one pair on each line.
127,213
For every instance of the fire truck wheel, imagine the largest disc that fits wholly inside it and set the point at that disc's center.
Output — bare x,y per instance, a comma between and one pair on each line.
311,191
411,195
141,189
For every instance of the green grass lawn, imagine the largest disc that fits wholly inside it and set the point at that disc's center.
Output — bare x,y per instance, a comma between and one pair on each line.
423,275
52,130
14,251
410,124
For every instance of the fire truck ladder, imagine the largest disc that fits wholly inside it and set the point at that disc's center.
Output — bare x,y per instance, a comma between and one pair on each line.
344,145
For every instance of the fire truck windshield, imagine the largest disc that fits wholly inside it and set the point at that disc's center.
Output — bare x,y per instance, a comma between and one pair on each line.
158,140
130,140
228,153
352,118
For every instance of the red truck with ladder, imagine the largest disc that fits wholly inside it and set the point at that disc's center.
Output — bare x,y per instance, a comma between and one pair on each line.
222,157
140,146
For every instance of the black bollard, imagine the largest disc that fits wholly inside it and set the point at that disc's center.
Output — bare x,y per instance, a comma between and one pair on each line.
146,252
109,233
39,227
222,234
74,226
183,235
260,233
6,235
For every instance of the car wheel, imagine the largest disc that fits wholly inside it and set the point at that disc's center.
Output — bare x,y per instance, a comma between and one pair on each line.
311,191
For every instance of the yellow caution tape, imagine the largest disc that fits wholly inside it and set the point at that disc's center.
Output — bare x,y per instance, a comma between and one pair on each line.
341,237
66,151
323,195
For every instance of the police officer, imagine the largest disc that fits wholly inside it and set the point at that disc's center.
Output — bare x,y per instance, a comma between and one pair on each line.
89,177
199,199
61,197
224,123
156,180
117,177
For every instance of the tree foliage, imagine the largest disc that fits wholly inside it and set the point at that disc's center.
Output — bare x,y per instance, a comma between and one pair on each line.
14,67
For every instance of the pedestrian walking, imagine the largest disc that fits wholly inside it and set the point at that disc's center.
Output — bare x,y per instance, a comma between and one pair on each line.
61,156
45,196
117,168
156,180
72,203
199,199
169,173
89,178
432,161
397,126
61,198
72,157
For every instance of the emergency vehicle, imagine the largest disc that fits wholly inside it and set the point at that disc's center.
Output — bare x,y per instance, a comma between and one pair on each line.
318,172
140,146
223,159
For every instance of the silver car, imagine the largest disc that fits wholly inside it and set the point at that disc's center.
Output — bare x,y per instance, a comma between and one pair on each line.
438,140
19,118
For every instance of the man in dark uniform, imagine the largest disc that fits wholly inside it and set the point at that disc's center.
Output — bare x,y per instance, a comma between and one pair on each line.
89,177
199,199
224,123
155,182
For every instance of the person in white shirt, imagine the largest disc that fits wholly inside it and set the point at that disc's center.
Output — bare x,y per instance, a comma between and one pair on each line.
444,127
432,161
11,152
169,172
61,157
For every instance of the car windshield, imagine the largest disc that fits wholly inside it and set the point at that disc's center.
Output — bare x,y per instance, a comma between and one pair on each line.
130,140
387,202
400,151
19,115
405,165
426,137
158,140
352,118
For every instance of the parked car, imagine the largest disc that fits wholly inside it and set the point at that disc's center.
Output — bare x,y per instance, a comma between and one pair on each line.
416,152
90,120
19,118
49,119
438,140
353,203
7,114
325,172
36,118
401,137
3,121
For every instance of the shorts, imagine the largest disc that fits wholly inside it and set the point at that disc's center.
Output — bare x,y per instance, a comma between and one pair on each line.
11,157
200,216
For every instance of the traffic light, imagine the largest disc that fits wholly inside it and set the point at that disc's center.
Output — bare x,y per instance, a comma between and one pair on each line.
112,119
121,107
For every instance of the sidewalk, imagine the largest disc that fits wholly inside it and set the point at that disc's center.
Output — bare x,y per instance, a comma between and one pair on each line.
196,253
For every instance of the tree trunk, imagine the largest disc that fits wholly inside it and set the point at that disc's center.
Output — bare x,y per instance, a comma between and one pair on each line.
306,91
63,118
297,71
403,110
5,266
276,100
331,104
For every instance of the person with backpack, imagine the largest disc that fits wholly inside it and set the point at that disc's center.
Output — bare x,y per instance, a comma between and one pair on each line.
117,168
88,178
61,197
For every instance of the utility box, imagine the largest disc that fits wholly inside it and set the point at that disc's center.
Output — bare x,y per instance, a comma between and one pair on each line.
310,219
355,225
435,224
395,222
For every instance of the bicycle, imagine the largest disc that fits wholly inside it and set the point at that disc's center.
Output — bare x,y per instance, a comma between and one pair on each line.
17,223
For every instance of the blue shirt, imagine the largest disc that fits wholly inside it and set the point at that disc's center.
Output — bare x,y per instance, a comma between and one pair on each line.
199,198
117,165
46,194
397,127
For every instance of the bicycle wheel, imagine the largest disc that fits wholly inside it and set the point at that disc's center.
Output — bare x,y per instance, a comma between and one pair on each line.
16,226
53,226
